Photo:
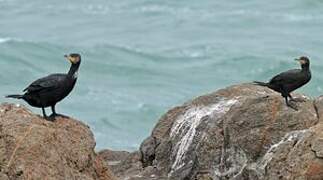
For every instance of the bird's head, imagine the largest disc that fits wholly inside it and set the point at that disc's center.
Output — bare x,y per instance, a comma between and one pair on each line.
73,58
303,60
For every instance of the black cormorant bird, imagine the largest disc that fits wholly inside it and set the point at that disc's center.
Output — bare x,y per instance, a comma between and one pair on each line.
288,81
49,90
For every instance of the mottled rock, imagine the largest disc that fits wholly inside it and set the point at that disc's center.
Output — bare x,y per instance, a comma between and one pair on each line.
241,132
122,164
295,158
33,148
317,147
113,157
221,133
3,176
148,151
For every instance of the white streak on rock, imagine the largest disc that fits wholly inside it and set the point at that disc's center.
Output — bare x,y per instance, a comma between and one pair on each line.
262,92
289,137
237,161
185,127
113,163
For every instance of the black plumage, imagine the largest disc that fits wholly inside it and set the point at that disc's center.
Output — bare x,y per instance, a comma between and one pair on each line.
49,90
288,81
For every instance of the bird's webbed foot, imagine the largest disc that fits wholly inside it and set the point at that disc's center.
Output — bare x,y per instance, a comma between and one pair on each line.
50,118
54,115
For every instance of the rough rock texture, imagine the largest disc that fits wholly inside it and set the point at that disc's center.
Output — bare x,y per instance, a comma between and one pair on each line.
33,148
241,132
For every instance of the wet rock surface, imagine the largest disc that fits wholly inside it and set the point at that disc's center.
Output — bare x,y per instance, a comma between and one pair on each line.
33,148
241,132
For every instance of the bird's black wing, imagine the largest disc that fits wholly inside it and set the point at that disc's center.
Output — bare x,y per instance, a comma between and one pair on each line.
50,82
290,76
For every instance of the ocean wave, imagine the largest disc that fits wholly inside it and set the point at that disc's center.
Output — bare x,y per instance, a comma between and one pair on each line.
121,8
119,50
4,40
155,8
290,17
300,17
9,39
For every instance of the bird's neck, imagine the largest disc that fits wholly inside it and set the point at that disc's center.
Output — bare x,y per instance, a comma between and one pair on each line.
73,72
305,67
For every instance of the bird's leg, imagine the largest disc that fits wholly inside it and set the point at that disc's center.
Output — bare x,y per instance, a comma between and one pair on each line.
55,114
54,111
44,113
285,94
290,97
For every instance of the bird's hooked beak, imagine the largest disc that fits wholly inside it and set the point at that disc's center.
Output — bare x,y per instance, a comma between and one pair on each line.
300,61
70,58
67,57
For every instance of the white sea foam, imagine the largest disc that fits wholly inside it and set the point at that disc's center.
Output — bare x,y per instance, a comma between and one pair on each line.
4,40
153,8
185,127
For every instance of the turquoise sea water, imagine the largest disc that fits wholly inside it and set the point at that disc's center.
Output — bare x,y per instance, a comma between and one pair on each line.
142,57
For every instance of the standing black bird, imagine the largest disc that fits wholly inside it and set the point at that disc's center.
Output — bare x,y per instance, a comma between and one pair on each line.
288,81
49,90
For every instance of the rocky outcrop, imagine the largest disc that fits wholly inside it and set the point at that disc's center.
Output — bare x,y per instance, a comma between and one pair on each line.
241,132
33,148
123,163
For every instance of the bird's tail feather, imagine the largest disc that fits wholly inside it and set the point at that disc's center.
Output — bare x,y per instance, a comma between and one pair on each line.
260,83
16,96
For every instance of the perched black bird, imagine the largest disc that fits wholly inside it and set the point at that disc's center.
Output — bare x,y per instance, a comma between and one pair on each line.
288,81
49,90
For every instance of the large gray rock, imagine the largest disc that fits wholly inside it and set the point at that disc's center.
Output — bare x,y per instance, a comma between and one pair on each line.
241,132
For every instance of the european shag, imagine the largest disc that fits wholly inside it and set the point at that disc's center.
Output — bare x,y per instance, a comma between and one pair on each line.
290,80
49,90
